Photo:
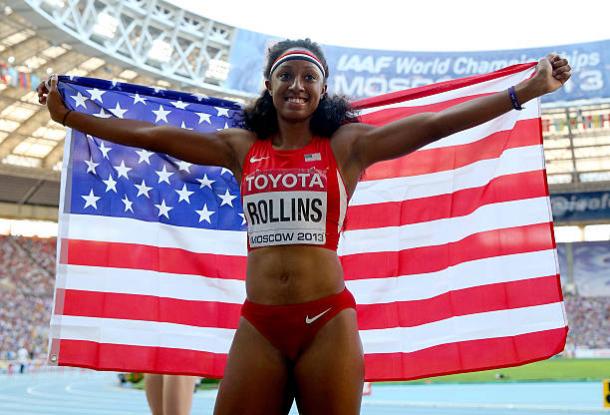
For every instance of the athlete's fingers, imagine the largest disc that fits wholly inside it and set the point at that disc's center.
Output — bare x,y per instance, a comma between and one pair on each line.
53,82
42,92
564,77
560,70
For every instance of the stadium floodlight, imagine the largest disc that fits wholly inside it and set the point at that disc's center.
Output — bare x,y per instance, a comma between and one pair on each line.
218,69
569,234
599,232
128,74
106,25
160,51
40,228
56,3
18,111
8,126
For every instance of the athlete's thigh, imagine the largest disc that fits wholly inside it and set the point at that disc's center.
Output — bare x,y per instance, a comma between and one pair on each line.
329,375
256,379
178,394
154,392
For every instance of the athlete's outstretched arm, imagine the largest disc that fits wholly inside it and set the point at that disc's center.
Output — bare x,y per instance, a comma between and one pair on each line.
221,148
404,136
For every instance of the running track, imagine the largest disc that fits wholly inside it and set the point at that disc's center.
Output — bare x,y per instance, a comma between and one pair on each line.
98,393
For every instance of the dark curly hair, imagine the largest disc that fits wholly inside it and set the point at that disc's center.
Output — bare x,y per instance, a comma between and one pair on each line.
332,112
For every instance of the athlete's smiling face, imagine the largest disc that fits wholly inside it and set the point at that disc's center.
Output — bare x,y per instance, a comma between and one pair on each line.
296,87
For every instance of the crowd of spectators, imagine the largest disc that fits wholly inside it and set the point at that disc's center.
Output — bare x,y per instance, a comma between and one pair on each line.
589,321
27,269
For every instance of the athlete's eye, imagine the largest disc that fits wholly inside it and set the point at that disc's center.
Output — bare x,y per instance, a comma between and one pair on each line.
311,77
284,76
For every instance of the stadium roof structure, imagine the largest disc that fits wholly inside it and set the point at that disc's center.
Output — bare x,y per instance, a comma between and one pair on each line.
153,42
146,42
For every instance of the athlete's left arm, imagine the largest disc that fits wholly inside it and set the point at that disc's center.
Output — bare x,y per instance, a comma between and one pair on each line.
408,134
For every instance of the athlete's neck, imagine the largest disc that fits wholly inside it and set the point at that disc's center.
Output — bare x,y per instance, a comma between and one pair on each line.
292,136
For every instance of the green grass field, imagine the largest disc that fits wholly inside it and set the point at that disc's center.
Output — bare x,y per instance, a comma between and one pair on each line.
546,370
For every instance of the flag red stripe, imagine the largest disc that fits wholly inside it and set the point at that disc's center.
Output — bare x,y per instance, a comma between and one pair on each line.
438,360
387,115
462,202
437,88
172,260
434,160
366,265
467,356
488,244
119,357
150,308
480,299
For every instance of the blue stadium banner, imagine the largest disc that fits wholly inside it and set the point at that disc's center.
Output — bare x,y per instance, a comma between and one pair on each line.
585,206
360,73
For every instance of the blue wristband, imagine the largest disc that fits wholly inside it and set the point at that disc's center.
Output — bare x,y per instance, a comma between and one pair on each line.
513,99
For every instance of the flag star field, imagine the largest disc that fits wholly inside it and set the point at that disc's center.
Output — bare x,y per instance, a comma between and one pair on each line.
110,179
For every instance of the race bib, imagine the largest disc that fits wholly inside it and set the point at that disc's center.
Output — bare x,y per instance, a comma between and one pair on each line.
285,207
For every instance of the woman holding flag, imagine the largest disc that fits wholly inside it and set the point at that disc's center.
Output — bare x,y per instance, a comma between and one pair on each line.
298,158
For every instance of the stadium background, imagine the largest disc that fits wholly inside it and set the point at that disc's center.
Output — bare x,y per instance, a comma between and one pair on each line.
156,43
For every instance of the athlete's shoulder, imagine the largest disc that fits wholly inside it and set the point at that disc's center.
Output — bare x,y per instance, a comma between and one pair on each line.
237,134
351,131
344,138
240,141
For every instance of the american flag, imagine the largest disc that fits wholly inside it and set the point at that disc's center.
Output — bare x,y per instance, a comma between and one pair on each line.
449,251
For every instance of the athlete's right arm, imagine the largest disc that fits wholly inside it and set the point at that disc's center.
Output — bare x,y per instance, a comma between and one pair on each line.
224,148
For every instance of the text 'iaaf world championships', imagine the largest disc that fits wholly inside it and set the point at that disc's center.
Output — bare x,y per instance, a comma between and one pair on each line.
359,75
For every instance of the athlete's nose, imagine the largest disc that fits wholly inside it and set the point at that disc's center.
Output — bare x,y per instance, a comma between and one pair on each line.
297,84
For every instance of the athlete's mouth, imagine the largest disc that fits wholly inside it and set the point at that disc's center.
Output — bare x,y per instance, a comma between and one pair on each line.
295,100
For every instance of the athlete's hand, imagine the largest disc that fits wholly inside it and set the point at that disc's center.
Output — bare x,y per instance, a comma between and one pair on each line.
49,95
551,73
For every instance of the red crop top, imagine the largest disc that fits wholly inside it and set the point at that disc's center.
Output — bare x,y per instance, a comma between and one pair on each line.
293,197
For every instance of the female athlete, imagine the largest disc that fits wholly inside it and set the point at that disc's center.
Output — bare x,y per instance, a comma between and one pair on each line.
298,159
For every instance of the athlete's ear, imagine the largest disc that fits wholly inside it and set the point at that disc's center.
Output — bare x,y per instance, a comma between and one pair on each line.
268,86
324,91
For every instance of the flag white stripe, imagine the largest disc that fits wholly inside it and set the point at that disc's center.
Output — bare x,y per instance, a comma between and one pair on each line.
486,325
488,217
155,283
480,173
133,231
343,202
141,333
493,270
490,86
504,122
437,232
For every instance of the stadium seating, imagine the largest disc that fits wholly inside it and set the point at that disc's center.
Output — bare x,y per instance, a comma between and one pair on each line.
27,269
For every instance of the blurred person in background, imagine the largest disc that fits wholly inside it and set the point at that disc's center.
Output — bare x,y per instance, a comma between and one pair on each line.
23,358
169,394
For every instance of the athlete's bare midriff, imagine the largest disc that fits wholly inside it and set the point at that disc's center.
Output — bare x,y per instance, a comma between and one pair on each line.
292,274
